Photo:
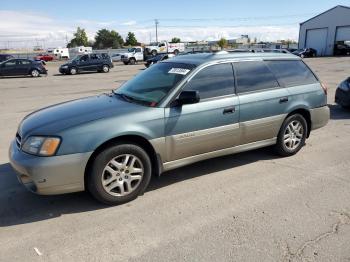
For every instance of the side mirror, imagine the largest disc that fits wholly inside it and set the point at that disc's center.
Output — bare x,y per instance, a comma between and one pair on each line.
188,97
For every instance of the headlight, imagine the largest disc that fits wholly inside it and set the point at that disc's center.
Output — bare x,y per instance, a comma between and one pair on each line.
41,146
345,85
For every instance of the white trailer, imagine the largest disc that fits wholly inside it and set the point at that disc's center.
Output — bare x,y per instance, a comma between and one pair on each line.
59,52
79,50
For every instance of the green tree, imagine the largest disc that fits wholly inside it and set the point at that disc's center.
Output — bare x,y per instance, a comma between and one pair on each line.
80,38
131,39
175,40
222,43
108,39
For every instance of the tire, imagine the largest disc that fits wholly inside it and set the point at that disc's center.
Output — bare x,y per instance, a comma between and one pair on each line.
105,68
154,52
176,52
109,178
132,61
302,56
290,140
73,71
126,63
35,73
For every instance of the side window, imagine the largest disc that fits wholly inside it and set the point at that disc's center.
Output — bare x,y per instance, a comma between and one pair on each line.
94,57
138,50
213,81
292,73
254,76
10,63
23,62
84,58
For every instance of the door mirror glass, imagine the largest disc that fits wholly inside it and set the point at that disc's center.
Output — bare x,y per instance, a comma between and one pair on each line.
188,97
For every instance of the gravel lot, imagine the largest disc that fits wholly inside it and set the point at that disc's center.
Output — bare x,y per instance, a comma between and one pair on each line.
252,206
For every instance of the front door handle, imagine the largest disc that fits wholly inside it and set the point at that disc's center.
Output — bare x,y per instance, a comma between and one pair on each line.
284,100
229,110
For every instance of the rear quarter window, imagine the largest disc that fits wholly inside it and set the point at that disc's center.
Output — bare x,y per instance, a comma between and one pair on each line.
292,72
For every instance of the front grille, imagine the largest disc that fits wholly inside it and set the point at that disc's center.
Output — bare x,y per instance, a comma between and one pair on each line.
18,140
122,56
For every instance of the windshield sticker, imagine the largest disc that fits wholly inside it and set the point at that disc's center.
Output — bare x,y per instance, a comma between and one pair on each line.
179,71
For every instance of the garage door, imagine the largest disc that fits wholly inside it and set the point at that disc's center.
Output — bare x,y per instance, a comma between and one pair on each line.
343,33
317,39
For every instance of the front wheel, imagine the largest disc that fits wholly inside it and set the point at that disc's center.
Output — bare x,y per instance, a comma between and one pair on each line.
292,135
73,71
35,73
119,174
132,61
105,69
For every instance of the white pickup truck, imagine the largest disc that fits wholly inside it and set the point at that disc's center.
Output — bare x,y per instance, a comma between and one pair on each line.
134,55
165,48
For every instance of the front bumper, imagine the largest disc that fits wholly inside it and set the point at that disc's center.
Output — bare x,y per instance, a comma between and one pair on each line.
64,70
49,175
342,97
319,117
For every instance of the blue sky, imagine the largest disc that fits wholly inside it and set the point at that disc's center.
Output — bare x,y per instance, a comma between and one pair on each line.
51,22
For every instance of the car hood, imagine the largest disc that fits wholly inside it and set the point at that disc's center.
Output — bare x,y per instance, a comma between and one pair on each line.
52,119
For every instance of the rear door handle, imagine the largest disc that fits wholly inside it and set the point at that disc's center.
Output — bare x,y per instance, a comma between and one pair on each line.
284,100
229,110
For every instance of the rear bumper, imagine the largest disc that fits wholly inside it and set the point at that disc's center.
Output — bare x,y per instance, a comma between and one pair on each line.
342,97
49,175
319,117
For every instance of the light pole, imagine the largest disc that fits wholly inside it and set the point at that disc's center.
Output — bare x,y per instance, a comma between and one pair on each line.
157,23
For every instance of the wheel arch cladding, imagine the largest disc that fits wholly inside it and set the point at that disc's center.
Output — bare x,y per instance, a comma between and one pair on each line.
132,139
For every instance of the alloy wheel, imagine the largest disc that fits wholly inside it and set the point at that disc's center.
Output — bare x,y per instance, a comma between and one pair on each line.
122,175
293,135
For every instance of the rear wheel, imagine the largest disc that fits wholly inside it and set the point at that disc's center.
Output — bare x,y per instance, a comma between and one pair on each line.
126,63
154,52
119,174
292,135
176,52
35,73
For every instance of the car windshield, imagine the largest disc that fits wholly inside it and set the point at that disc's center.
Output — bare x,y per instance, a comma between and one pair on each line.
76,58
130,50
154,83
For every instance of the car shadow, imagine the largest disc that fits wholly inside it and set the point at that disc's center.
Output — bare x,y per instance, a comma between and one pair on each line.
81,73
337,112
18,206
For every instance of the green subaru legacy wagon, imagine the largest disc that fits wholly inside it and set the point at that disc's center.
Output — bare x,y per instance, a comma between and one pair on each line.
177,112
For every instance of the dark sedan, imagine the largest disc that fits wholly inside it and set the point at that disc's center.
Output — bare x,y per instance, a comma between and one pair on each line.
307,52
157,58
16,67
342,94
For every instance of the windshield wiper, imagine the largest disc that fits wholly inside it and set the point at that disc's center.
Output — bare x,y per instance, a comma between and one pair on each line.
131,99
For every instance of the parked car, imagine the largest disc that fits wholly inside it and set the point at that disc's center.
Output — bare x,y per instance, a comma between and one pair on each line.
158,58
177,112
16,67
307,52
342,94
44,57
4,57
342,48
116,57
88,62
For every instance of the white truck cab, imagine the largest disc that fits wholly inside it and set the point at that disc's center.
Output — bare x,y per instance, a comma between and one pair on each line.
134,55
165,47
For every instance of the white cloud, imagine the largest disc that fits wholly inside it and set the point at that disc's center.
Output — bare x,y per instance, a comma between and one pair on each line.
26,29
129,23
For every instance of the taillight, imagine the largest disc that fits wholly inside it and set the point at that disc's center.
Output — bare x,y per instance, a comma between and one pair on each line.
324,87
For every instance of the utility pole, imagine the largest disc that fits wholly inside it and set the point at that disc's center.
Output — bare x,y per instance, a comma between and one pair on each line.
157,23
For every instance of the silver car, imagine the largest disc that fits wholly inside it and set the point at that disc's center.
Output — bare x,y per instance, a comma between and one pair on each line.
177,112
